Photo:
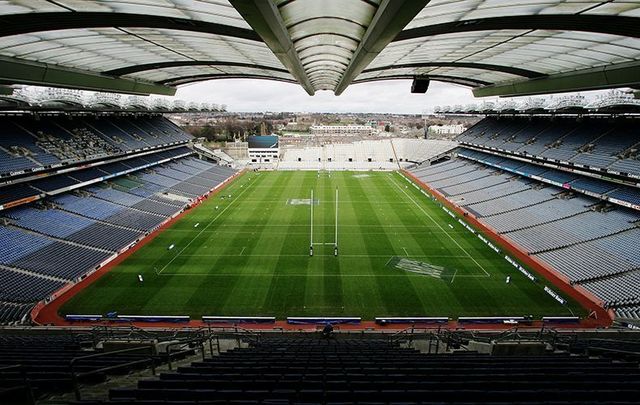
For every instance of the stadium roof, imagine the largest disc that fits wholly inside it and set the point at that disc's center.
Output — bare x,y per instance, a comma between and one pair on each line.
498,47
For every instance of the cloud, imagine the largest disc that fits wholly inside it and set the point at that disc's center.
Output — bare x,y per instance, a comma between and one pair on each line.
384,96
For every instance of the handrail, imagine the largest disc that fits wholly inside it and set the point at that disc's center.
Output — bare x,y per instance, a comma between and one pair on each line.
25,380
247,331
609,350
74,376
199,339
597,339
395,337
235,330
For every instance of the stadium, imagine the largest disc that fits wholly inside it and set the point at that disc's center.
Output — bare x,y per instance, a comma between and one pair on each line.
139,264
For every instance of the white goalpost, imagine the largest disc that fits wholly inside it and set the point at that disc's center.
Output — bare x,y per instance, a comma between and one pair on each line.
335,240
311,238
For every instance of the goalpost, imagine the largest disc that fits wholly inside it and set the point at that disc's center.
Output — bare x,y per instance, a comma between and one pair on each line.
335,239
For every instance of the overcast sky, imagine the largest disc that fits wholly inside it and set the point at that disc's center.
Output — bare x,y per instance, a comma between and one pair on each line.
264,95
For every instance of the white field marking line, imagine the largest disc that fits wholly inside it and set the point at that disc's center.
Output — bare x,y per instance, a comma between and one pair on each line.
204,229
258,200
439,226
249,232
326,188
405,251
404,274
242,251
303,255
454,276
326,225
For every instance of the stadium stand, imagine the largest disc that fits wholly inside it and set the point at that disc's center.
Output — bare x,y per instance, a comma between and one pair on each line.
387,154
28,144
580,242
592,142
583,229
86,216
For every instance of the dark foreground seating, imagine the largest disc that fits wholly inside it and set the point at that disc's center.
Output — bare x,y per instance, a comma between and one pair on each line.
43,363
346,371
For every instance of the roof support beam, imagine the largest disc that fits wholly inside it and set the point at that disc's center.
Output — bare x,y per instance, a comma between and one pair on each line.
390,18
604,24
462,81
606,77
162,65
177,81
264,17
17,71
471,65
16,24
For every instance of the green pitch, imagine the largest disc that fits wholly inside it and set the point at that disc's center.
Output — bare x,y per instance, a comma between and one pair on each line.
400,254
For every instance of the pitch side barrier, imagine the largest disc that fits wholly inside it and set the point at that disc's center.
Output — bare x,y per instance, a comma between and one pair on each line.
412,320
306,320
239,319
130,318
560,319
492,319
81,318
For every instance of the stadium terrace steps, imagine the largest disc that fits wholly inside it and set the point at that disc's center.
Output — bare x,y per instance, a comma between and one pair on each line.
584,261
62,259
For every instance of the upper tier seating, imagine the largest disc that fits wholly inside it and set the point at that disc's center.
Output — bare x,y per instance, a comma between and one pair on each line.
569,180
28,144
592,142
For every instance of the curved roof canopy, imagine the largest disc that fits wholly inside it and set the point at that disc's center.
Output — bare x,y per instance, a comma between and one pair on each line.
498,47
